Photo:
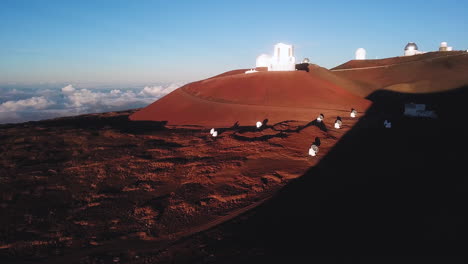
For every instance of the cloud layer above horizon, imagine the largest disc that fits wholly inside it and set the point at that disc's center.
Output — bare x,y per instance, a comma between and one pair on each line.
18,104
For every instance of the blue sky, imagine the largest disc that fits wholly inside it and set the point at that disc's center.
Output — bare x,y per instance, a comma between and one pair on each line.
146,42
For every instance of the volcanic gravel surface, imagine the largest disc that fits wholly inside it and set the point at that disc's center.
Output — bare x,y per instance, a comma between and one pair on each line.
99,188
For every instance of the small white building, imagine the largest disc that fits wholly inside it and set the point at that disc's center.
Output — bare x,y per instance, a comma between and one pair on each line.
418,110
360,54
444,47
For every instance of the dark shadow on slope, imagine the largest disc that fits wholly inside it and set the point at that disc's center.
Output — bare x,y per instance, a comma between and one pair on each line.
246,129
379,191
320,125
98,121
260,138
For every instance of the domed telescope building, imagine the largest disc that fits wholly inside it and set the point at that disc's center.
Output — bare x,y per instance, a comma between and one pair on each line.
263,61
411,49
360,54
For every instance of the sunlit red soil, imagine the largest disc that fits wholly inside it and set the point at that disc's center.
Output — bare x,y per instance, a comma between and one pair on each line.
236,97
71,186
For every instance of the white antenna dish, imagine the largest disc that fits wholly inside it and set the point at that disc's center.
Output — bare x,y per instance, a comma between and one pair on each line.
338,124
387,124
320,118
313,150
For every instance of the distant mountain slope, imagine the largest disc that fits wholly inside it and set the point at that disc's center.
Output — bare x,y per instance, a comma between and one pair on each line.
354,64
426,73
247,98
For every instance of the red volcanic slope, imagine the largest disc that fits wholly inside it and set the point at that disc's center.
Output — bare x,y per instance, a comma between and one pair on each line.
354,86
246,98
395,60
430,72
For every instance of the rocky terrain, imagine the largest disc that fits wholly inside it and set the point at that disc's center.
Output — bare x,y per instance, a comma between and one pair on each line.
90,185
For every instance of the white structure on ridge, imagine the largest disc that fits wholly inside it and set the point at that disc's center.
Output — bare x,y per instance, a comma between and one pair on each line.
353,113
282,60
444,47
412,49
259,124
360,54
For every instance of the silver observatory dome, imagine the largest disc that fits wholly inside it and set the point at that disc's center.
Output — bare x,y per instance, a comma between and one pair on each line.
306,60
411,46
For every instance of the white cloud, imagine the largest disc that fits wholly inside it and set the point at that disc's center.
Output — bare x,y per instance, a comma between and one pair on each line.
98,101
83,97
68,89
69,100
36,103
152,91
158,90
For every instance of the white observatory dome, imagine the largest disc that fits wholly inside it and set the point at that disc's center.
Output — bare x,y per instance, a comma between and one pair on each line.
444,46
360,54
306,60
313,150
411,49
263,60
411,46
